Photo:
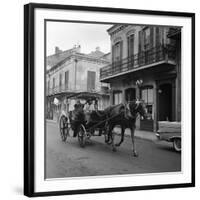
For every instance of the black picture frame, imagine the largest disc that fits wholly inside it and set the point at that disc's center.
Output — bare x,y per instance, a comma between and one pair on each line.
29,96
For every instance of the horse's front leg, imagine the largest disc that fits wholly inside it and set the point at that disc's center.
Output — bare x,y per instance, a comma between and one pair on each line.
107,134
112,141
112,137
122,136
133,141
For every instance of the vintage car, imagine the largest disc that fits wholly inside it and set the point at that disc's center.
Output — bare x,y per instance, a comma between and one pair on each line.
170,132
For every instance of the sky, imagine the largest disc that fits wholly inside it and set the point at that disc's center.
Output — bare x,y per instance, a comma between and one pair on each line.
67,34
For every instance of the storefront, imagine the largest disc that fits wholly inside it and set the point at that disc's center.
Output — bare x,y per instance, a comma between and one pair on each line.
158,91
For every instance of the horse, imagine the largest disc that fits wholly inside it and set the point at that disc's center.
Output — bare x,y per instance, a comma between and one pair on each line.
124,115
90,119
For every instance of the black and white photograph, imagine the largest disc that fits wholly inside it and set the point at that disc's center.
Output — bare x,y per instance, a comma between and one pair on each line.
109,100
113,99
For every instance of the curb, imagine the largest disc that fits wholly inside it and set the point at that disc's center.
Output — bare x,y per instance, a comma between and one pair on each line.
140,137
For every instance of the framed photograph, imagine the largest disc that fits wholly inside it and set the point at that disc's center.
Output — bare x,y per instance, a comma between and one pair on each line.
109,99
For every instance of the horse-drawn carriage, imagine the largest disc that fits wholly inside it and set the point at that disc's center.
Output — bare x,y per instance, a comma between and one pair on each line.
85,124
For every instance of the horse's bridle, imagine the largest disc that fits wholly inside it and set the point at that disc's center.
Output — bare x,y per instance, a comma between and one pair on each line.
127,107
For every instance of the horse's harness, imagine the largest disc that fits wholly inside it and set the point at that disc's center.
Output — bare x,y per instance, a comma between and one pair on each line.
127,109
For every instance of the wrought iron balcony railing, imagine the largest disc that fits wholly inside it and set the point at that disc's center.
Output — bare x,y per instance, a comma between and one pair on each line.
68,89
174,32
152,56
57,90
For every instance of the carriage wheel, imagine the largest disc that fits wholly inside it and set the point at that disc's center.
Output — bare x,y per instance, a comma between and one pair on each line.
63,128
82,135
177,144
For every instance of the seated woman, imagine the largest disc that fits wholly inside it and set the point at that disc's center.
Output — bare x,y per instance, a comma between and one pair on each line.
89,106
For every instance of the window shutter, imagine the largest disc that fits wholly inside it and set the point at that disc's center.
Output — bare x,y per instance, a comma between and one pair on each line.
130,45
140,42
113,53
60,80
157,36
53,82
151,36
66,79
91,78
121,50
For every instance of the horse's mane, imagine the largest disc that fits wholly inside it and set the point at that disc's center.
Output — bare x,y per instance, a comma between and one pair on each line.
112,107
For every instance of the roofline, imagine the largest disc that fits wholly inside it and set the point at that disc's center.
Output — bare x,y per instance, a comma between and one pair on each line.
112,27
76,54
61,52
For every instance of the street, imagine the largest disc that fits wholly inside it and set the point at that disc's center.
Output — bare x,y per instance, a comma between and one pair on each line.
68,159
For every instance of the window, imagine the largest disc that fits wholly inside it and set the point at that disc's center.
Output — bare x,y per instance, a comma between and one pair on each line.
130,45
117,56
91,79
117,97
53,83
66,79
60,80
146,38
117,52
147,97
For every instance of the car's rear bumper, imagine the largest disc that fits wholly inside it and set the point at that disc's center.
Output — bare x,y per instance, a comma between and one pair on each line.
158,136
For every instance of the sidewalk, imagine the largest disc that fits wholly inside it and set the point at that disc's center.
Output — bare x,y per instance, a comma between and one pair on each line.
146,135
51,121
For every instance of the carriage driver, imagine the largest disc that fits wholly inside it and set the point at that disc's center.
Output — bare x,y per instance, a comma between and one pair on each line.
78,106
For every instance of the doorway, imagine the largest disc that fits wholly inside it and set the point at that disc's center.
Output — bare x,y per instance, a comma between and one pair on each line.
130,94
165,102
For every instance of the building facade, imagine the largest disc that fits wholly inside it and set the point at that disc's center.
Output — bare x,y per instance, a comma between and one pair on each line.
146,65
72,72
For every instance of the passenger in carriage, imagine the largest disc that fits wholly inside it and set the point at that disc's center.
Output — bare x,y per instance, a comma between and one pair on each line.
78,109
96,105
89,106
78,106
77,116
88,109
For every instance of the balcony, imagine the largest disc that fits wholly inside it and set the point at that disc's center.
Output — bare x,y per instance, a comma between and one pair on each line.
145,59
58,90
66,89
174,33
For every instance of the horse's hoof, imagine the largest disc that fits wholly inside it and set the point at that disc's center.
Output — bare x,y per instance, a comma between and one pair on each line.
135,154
114,149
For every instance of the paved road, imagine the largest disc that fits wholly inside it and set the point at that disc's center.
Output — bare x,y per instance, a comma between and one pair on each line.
68,159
